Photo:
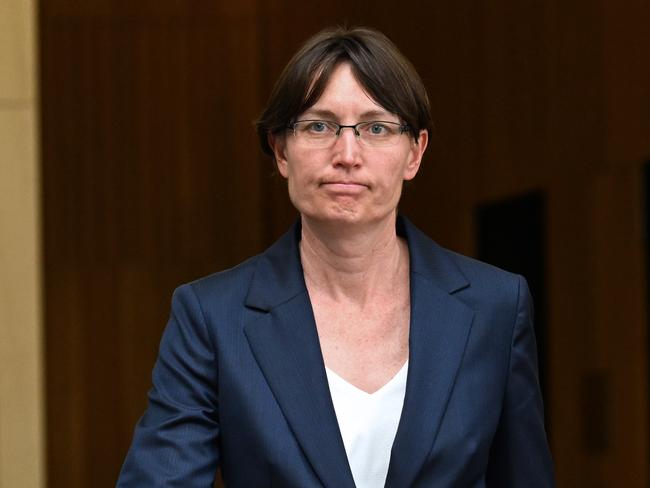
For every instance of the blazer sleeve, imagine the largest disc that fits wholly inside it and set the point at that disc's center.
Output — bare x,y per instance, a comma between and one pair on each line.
519,456
175,441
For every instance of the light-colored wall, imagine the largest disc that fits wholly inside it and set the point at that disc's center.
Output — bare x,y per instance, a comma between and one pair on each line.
21,399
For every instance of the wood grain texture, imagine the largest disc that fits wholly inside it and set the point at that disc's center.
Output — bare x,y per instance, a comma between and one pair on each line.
152,177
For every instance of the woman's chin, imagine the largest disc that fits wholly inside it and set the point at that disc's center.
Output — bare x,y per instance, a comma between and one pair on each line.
344,216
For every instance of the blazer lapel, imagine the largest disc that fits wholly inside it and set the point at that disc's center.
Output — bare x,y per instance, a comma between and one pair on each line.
282,333
440,327
284,341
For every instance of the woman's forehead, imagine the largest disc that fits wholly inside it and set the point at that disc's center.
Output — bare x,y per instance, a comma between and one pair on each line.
343,95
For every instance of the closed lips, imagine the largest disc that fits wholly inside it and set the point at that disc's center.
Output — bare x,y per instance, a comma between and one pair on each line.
343,183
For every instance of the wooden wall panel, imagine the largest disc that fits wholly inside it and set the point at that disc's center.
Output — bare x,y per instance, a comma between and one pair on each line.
620,328
147,147
152,177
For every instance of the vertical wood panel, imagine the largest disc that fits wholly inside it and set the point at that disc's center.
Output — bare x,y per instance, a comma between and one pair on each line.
151,179
620,327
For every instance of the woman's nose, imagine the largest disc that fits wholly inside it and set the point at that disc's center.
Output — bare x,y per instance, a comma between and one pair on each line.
347,147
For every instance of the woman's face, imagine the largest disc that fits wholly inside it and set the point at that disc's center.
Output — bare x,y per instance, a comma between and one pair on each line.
347,182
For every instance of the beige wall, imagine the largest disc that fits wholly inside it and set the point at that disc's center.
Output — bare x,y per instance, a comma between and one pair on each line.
21,402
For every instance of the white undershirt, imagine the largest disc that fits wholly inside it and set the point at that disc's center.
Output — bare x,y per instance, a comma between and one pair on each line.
368,424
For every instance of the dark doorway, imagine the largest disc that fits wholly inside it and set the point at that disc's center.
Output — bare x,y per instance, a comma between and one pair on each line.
511,234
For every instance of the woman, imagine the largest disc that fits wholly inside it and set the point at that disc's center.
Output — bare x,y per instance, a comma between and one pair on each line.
355,351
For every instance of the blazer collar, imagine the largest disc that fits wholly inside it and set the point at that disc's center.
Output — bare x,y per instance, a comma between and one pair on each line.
430,260
283,339
279,276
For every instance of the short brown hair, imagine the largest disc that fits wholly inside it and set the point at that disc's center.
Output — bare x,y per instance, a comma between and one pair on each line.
386,75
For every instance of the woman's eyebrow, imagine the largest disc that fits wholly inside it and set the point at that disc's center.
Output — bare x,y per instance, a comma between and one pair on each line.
329,115
319,113
380,114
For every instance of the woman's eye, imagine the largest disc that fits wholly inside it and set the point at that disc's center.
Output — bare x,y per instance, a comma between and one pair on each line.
317,127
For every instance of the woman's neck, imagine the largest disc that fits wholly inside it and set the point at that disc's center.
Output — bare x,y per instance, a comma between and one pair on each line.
350,262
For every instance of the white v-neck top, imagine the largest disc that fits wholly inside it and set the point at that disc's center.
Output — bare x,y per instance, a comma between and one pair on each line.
368,424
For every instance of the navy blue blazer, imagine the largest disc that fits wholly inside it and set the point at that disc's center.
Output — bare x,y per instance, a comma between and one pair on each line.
240,382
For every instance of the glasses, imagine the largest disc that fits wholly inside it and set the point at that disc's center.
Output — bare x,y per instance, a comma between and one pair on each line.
323,133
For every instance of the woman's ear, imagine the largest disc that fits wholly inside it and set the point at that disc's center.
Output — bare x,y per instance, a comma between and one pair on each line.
277,142
415,158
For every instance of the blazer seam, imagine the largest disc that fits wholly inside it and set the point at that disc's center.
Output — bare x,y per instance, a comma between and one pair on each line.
512,336
204,323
